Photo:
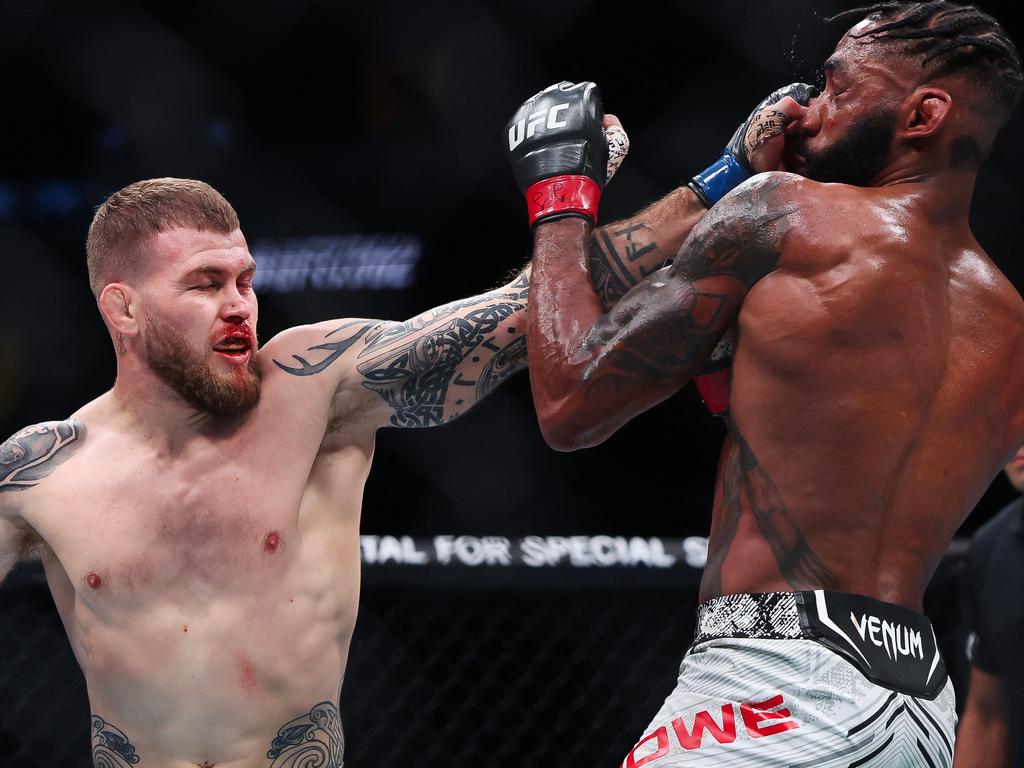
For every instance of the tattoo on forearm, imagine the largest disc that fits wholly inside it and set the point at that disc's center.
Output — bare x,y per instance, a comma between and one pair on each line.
334,349
110,746
611,273
634,248
412,368
34,452
746,486
313,739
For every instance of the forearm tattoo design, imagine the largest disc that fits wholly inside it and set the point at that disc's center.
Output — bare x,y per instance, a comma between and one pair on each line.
612,255
413,365
34,452
747,486
313,739
110,746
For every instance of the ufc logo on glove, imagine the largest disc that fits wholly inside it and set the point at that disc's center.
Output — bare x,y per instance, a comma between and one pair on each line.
524,130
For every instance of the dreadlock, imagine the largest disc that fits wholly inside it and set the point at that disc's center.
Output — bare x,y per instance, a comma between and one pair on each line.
951,39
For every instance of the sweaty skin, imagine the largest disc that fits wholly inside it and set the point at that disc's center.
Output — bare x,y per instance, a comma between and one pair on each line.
207,568
876,390
868,361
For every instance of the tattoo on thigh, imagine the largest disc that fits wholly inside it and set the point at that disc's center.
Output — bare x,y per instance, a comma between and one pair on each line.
313,739
32,454
110,746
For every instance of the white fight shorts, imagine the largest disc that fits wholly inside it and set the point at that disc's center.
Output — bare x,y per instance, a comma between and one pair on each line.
805,680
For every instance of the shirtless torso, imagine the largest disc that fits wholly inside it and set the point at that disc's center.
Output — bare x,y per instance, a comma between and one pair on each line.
874,397
207,572
874,394
876,383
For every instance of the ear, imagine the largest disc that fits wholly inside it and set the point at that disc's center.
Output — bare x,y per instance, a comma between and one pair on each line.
929,108
119,309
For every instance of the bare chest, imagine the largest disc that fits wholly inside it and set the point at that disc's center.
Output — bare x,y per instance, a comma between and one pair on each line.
132,530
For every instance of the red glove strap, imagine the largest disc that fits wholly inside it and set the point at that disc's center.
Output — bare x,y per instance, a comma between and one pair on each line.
714,390
563,194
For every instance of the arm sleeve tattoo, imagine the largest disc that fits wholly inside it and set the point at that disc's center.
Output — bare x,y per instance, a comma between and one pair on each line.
593,370
432,368
668,324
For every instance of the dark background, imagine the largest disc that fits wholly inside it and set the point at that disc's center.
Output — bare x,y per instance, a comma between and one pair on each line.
386,117
327,118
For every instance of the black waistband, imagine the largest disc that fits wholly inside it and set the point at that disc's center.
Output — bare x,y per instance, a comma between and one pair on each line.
892,646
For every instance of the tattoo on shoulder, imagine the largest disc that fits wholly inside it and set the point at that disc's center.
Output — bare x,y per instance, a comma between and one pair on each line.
327,351
314,739
34,452
110,746
741,236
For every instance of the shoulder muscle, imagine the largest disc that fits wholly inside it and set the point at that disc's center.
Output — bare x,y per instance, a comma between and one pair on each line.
29,456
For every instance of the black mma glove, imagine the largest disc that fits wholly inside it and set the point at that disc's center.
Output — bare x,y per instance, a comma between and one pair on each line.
559,155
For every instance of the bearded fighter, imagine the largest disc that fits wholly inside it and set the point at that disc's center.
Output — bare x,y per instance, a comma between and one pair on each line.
876,387
198,523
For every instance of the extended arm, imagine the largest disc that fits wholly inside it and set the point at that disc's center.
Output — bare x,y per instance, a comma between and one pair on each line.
420,373
981,738
592,371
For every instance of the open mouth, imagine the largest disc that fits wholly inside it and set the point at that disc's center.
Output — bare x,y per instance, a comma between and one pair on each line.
234,346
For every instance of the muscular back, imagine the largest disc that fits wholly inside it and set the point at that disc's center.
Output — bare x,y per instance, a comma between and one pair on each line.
874,397
875,392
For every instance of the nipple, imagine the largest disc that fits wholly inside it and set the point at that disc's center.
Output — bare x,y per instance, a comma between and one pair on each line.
94,581
271,542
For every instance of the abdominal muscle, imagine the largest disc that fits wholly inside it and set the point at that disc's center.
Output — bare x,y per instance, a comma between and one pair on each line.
200,673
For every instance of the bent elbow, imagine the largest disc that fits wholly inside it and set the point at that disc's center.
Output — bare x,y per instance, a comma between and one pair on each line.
567,430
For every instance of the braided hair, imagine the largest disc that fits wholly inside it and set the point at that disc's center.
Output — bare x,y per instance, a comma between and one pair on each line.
951,39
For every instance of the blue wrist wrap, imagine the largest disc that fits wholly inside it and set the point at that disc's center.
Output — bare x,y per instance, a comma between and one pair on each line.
719,179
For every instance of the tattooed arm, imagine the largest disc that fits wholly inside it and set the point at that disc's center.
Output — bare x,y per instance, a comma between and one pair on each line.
592,372
622,254
420,373
25,459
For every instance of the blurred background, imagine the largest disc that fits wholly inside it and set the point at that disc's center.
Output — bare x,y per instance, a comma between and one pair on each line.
361,144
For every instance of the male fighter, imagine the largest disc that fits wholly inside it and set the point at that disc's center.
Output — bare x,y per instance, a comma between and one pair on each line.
199,523
991,733
875,389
